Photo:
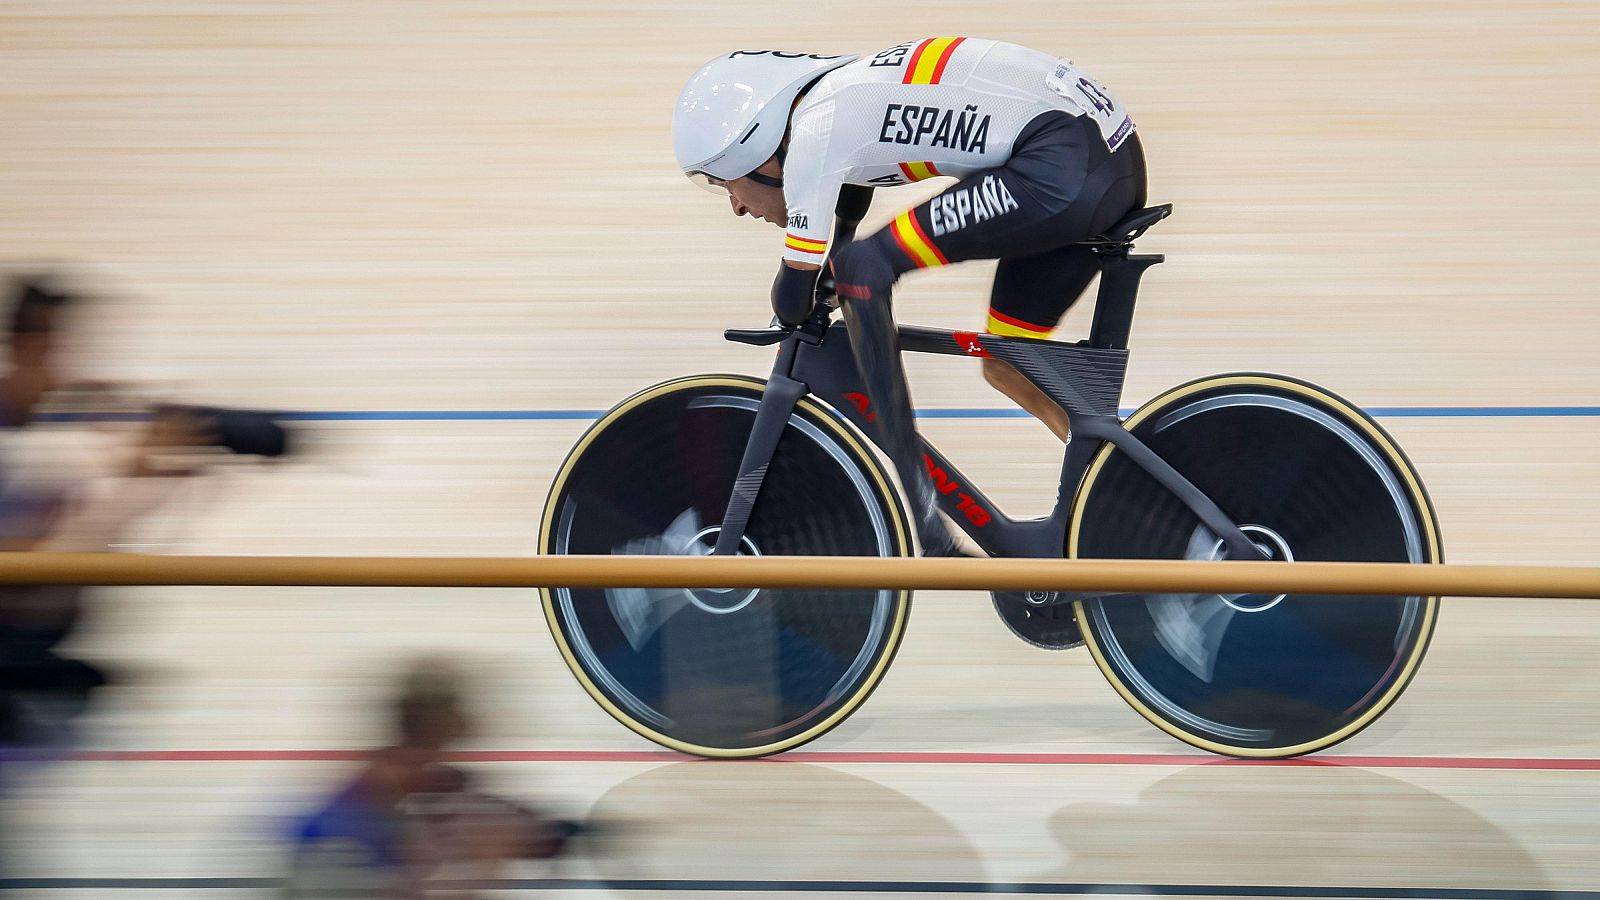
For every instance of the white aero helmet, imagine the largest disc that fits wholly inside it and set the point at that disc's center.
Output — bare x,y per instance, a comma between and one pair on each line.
733,113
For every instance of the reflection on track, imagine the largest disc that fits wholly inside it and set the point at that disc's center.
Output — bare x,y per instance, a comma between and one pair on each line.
1313,824
777,821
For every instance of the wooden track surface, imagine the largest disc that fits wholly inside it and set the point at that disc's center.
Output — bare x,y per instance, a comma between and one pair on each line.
408,205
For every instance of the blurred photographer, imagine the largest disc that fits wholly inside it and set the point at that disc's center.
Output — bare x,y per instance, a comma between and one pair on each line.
49,501
411,825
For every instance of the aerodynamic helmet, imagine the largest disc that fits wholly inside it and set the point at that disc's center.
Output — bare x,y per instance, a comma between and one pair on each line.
732,115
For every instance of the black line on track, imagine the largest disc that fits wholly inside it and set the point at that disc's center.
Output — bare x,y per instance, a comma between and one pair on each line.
844,887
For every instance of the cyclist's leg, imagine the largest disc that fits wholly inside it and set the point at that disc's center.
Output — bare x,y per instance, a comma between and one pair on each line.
1029,297
1034,203
1031,293
864,280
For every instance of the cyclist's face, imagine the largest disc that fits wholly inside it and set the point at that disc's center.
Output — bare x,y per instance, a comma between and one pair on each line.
748,197
758,200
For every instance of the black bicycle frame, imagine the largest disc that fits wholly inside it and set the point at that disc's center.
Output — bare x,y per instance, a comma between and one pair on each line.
1085,378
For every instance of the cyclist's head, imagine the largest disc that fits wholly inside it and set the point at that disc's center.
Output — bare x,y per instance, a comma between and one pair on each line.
732,115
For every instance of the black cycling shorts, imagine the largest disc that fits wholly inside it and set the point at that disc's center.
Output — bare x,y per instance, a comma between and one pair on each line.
1060,186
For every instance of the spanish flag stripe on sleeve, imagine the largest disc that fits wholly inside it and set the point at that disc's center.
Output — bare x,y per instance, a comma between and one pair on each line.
908,234
944,57
804,245
927,62
914,61
1002,324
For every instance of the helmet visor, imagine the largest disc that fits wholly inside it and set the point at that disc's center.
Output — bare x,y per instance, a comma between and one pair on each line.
709,183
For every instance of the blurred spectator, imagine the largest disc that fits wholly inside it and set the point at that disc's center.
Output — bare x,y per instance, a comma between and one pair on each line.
42,509
408,824
71,497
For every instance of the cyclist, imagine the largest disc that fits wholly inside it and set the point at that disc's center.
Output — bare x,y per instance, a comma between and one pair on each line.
1045,156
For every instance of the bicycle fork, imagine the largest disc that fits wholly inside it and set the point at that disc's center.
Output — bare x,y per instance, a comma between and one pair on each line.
777,404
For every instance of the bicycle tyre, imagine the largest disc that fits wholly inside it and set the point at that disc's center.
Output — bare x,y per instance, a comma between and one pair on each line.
1316,479
728,674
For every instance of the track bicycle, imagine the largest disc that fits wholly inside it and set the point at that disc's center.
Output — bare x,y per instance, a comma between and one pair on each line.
1241,466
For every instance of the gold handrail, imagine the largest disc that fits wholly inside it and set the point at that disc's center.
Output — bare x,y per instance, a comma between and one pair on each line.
1130,576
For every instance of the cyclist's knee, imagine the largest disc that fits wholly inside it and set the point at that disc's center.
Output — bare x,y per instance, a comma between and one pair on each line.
865,269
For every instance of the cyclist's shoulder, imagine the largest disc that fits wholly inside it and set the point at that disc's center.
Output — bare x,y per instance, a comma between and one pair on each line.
918,62
853,99
931,50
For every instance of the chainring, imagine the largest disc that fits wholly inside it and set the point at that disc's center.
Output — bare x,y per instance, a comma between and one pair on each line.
1049,625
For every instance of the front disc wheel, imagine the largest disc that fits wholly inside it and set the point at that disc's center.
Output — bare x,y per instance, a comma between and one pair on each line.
712,671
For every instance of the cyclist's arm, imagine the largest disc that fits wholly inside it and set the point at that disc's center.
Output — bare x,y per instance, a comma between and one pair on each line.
810,202
796,284
794,290
854,200
812,182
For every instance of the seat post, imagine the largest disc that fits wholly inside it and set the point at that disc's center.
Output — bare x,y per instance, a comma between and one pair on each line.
1119,287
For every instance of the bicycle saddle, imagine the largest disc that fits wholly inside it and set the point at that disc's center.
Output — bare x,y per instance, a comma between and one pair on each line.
1132,225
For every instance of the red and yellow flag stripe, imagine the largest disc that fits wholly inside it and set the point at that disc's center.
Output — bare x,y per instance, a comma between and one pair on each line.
804,245
909,235
919,171
927,62
1002,324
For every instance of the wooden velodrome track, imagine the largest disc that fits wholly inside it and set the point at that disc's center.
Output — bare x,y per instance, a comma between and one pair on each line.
399,206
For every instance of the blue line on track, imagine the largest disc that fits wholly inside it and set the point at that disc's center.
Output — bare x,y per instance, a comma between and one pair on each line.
845,887
956,412
453,415
1381,412
544,415
444,415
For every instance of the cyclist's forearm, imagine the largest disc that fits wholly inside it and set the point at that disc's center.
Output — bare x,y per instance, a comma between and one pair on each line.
793,291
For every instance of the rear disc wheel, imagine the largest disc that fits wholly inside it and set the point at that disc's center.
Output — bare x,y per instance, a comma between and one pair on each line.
1308,477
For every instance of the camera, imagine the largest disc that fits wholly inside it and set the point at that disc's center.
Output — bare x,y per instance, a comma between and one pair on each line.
246,432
